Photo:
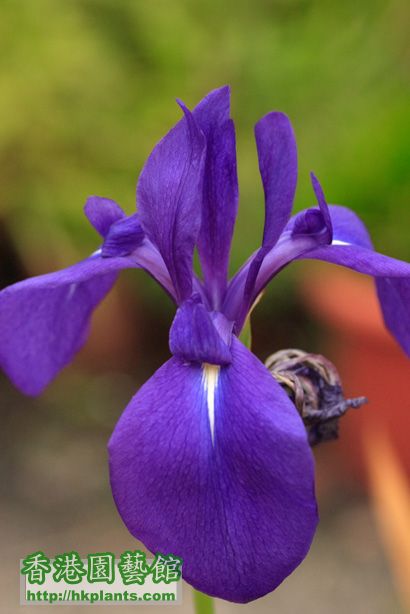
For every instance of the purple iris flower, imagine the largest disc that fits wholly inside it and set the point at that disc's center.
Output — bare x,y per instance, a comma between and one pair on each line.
210,460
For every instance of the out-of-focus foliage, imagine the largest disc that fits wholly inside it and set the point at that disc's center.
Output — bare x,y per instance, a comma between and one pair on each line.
88,87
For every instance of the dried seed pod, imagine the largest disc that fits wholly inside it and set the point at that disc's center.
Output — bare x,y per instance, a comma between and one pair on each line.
313,384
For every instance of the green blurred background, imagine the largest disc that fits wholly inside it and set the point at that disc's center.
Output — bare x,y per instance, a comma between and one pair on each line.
87,89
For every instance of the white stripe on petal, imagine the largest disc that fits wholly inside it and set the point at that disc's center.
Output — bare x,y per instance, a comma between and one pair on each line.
337,242
210,377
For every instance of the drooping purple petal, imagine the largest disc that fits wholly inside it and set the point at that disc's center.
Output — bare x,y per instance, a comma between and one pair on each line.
220,195
169,195
351,247
194,336
102,213
394,297
348,227
213,465
44,320
361,259
392,277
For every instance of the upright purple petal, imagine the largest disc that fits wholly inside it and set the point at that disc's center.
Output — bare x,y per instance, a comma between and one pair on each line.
213,465
277,155
44,320
214,109
169,199
220,194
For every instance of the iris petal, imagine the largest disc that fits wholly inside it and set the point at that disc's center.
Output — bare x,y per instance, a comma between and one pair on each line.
333,234
194,337
314,221
348,227
323,207
220,195
277,155
169,199
44,320
123,237
231,493
352,248
102,213
394,297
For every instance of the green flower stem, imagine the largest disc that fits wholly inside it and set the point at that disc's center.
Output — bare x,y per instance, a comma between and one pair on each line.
203,603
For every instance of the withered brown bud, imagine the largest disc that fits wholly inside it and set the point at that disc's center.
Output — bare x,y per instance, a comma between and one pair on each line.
313,384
